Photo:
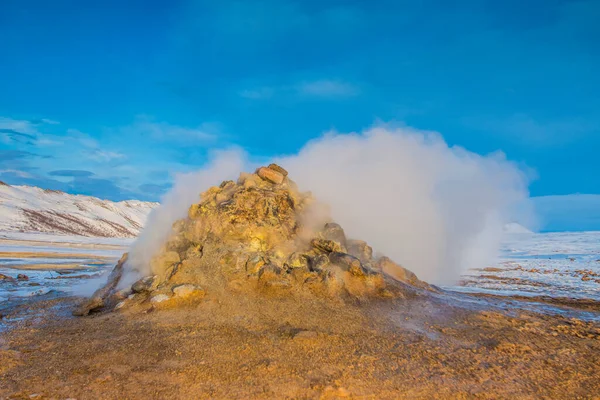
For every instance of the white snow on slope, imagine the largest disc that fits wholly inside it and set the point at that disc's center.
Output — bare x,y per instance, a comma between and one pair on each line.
31,209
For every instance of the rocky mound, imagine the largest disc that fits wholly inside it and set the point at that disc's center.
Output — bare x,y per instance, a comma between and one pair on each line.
257,236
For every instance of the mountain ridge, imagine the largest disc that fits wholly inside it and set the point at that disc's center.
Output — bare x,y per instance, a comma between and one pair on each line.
33,209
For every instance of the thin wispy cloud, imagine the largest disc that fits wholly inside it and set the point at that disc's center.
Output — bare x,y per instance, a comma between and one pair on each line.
258,94
72,173
328,88
105,156
527,129
16,125
315,89
161,131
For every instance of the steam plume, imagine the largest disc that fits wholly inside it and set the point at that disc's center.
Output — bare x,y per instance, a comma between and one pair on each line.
438,210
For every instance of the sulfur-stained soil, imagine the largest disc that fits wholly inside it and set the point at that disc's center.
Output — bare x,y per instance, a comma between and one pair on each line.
434,346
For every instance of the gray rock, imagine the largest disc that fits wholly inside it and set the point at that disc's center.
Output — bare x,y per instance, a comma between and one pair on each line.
348,263
361,250
146,284
333,231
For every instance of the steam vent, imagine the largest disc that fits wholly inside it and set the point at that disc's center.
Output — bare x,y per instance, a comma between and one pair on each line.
257,237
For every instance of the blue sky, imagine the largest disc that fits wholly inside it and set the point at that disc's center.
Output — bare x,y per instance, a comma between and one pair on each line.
112,98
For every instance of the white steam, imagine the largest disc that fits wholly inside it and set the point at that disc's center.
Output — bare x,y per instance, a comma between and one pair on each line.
174,205
435,209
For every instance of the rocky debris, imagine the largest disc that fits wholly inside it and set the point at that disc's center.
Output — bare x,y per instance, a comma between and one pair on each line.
250,235
22,277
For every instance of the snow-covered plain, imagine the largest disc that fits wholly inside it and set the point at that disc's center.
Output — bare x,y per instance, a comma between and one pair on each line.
559,265
564,264
63,265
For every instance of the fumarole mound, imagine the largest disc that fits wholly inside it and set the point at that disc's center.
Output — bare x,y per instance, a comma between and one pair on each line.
259,236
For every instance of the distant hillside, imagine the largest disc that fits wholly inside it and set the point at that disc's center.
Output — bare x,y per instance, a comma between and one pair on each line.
31,209
513,227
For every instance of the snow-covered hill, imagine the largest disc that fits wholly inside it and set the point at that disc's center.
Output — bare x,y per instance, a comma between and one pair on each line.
31,209
515,228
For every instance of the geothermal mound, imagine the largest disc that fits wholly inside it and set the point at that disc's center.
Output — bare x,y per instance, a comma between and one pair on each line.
259,236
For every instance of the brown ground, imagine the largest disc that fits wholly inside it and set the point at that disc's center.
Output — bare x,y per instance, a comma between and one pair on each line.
257,347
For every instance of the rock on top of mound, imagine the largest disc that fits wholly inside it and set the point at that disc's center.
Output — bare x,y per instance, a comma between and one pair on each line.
257,235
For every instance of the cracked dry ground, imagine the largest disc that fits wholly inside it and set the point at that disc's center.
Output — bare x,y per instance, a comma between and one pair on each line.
257,347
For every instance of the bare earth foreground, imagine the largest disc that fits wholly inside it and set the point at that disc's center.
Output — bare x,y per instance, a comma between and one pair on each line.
433,347
246,299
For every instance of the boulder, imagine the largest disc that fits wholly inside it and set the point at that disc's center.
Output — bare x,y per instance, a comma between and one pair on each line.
361,250
270,175
187,290
159,298
98,298
347,263
22,277
86,307
279,169
297,260
333,231
328,246
146,284
273,277
396,271
318,263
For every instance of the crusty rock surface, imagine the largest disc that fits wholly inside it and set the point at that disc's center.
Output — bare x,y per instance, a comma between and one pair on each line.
253,236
